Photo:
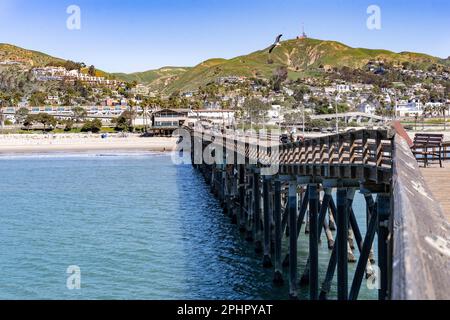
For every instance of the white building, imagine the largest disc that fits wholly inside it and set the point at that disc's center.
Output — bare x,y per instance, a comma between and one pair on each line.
368,108
409,109
274,115
343,88
221,117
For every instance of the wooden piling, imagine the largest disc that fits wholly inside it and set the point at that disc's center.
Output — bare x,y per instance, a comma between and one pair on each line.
257,212
293,240
278,275
313,242
241,187
384,215
342,244
267,260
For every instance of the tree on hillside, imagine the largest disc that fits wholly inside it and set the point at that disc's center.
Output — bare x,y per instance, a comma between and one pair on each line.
46,120
92,71
16,97
255,110
21,115
300,93
28,122
79,114
71,65
94,126
37,99
125,121
280,75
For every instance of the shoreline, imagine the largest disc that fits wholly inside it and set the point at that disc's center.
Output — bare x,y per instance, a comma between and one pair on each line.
66,143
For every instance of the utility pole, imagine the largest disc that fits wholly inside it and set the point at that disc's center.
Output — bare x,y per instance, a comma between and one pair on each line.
337,118
303,119
445,115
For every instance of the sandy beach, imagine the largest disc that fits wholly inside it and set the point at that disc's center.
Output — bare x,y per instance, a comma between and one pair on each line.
49,143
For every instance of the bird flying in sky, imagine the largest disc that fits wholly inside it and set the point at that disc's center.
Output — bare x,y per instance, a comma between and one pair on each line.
276,44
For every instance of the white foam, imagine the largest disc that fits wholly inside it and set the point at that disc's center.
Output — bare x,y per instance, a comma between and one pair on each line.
79,155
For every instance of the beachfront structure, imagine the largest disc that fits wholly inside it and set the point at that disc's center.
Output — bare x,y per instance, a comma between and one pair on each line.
221,117
169,118
63,112
166,121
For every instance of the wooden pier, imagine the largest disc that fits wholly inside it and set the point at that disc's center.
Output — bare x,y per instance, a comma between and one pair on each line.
438,180
413,237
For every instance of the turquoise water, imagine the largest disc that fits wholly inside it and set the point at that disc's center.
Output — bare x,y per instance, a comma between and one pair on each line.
136,225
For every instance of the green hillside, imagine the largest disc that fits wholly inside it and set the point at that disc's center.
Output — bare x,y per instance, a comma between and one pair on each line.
301,57
29,57
151,75
156,80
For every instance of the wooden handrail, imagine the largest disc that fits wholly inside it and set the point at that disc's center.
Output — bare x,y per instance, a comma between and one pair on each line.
421,233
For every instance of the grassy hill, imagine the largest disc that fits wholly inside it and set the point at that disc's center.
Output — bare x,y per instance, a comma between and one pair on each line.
29,57
156,80
302,57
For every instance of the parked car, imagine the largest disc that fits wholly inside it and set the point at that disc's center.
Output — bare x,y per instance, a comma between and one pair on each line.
285,138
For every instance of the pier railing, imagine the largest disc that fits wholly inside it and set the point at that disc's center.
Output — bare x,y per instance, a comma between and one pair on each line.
421,233
412,260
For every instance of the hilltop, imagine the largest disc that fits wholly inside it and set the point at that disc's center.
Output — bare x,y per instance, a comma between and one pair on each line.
28,57
302,57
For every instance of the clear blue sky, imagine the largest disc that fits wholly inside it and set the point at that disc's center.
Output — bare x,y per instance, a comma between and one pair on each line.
137,35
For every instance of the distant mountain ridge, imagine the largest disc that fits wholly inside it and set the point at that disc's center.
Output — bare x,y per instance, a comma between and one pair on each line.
302,57
156,80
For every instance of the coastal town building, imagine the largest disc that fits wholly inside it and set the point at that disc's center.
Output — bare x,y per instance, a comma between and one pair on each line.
169,118
408,108
221,117
368,108
61,74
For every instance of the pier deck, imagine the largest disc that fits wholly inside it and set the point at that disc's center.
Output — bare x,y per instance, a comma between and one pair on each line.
438,180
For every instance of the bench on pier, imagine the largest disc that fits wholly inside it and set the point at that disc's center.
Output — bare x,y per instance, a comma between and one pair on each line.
428,147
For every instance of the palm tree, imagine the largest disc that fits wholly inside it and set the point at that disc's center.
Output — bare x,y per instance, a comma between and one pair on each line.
2,120
133,113
4,102
145,105
442,110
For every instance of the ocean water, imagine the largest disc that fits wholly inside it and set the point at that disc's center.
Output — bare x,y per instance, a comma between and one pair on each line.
137,226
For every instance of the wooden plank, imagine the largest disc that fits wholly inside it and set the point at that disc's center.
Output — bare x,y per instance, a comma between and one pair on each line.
438,180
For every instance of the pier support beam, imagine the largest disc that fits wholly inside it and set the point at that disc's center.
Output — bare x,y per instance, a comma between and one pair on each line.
384,215
342,244
364,257
313,242
293,240
267,261
278,275
241,187
257,212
